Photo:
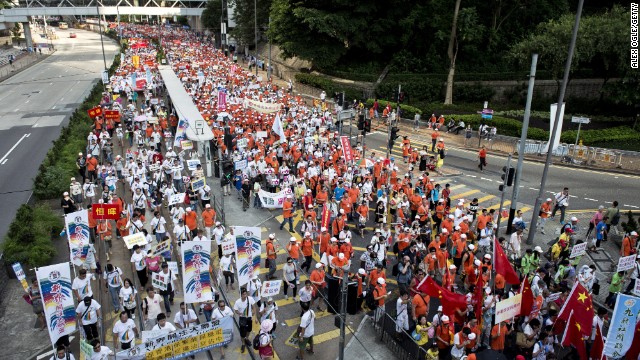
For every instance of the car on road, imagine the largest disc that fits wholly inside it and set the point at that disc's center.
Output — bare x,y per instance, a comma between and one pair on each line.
73,35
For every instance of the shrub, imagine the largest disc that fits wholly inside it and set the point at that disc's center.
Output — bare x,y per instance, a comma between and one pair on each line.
472,93
407,111
29,238
631,224
415,91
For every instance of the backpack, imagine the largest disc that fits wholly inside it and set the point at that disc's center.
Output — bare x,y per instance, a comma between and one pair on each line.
616,218
395,271
369,299
256,341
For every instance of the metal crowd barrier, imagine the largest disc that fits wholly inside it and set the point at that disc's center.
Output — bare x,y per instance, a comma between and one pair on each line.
402,344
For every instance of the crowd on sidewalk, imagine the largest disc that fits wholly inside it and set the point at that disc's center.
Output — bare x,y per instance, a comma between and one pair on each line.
428,242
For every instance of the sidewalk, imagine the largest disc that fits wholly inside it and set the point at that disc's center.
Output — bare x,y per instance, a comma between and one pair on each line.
23,62
368,346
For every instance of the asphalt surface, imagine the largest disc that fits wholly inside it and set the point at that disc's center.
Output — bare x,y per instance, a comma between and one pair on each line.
587,188
35,104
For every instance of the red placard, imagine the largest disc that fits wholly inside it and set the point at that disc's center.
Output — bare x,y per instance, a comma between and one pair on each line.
112,114
326,215
105,211
347,152
93,112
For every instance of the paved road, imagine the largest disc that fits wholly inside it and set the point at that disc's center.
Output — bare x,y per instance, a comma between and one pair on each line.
588,188
35,104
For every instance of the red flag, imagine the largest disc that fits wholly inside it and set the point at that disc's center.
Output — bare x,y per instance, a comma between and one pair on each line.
598,346
478,297
450,301
93,112
573,335
579,303
634,350
527,298
503,266
326,215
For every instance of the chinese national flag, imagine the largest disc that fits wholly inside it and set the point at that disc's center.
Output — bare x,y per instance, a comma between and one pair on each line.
326,215
579,304
574,335
527,298
503,266
105,211
450,301
93,112
634,350
598,345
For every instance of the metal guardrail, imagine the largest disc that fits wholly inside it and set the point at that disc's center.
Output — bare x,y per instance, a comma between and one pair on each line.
402,344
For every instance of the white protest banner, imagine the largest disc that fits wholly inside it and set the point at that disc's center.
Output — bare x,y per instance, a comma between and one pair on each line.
159,281
176,199
152,334
578,250
270,288
636,289
553,297
242,143
626,263
78,234
508,308
196,258
262,107
261,134
55,290
193,164
86,349
173,266
135,239
154,167
240,164
248,244
183,343
197,184
228,245
186,144
274,200
160,248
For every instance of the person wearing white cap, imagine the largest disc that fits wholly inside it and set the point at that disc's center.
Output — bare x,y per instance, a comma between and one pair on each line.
380,296
486,239
629,244
67,203
253,287
293,248
460,341
545,212
287,213
267,311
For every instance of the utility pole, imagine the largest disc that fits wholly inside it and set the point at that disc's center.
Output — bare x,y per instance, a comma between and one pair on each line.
523,141
269,68
343,315
554,131
255,24
104,57
504,190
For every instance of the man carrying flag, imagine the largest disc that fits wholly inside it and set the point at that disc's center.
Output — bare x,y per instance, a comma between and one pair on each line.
450,301
277,128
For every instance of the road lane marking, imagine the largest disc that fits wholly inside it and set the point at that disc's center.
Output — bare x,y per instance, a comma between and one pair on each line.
464,194
4,161
26,101
496,206
471,176
533,189
14,146
632,206
482,178
35,125
590,199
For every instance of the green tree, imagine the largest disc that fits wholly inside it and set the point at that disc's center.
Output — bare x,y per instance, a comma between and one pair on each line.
244,15
212,18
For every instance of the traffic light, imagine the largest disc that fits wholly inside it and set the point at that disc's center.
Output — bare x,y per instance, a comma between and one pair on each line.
393,136
361,122
508,174
367,125
338,98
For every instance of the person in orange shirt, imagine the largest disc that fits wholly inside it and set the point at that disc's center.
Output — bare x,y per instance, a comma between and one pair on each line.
287,213
363,216
434,139
208,219
629,244
338,224
92,225
482,157
272,254
441,256
191,221
346,249
307,251
338,265
498,334
420,306
105,233
347,206
323,240
378,272
545,212
380,295
430,261
92,165
449,278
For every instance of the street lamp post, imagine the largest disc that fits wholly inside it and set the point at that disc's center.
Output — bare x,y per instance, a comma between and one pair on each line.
255,24
554,130
104,57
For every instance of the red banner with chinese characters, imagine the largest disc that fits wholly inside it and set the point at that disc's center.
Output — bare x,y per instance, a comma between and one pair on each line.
347,152
93,112
105,211
326,216
112,114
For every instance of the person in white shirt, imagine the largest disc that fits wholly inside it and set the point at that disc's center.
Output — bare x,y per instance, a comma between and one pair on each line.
460,341
598,323
113,278
253,287
89,191
163,324
268,311
138,260
245,308
307,330
125,332
181,232
185,318
168,278
62,354
158,226
151,307
89,315
81,286
515,242
100,352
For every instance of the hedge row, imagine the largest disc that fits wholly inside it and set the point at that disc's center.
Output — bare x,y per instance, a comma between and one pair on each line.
59,164
29,238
